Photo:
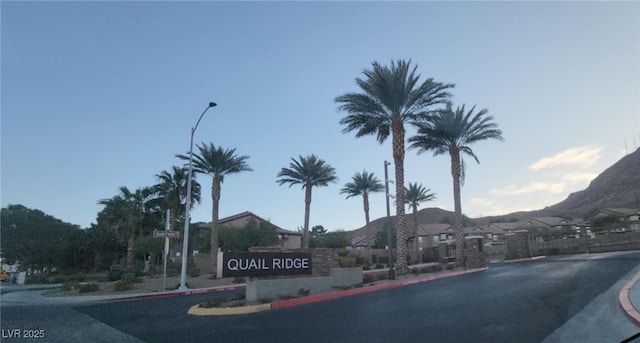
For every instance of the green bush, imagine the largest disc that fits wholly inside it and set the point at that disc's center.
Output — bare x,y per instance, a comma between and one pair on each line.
360,261
89,287
123,286
379,266
115,274
415,271
383,260
130,277
238,280
70,285
451,266
367,267
368,278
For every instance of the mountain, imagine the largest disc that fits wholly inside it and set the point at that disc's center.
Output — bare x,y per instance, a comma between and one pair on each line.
616,187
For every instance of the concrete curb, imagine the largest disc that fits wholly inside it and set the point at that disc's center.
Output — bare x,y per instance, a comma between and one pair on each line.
535,258
625,302
175,293
195,310
327,296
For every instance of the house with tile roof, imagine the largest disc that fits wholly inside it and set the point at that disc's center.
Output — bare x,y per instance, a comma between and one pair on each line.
288,239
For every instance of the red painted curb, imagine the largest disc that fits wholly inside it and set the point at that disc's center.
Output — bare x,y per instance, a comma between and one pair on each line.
625,302
340,294
176,293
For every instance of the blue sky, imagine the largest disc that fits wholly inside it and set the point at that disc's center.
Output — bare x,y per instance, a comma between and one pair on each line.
98,95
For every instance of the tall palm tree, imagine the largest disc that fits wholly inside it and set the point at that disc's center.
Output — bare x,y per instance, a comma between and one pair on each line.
363,184
171,192
452,132
392,97
218,163
125,214
309,172
414,195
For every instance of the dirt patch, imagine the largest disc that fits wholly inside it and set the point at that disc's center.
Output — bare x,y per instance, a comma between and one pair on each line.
148,285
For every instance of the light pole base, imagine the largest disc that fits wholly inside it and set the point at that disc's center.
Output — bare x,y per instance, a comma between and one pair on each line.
183,288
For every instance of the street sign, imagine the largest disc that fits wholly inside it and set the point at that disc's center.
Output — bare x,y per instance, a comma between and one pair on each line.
167,234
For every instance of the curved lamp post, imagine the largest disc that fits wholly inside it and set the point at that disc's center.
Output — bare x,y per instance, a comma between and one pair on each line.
187,219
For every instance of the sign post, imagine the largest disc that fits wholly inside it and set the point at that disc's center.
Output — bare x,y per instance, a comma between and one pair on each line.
166,234
166,251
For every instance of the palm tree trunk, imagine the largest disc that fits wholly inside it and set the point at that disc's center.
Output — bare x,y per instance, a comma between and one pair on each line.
215,197
365,200
457,218
397,130
307,207
130,248
415,227
172,218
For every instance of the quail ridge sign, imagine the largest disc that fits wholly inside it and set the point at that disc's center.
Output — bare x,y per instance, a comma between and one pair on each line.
266,264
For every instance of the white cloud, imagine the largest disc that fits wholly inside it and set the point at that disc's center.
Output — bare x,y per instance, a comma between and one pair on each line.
481,207
579,156
548,187
579,177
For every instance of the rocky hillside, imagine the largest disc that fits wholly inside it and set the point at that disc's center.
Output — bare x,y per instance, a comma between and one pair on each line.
617,187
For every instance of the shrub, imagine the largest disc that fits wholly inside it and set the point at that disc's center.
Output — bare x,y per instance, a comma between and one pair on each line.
70,285
238,280
383,260
115,274
379,266
89,287
450,266
367,267
130,277
213,276
382,276
360,261
123,286
303,292
415,271
368,278
374,258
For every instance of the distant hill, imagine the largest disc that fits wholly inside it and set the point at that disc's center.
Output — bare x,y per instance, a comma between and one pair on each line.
616,187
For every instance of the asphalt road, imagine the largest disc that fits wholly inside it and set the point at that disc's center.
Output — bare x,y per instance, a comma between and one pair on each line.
515,302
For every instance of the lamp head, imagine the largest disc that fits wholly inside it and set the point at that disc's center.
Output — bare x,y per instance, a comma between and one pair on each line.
212,104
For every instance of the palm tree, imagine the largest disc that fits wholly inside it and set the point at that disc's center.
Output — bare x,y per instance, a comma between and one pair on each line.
309,172
125,214
452,132
392,97
363,184
414,195
171,192
218,163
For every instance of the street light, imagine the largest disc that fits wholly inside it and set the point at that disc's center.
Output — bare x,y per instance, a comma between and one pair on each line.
185,241
392,272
